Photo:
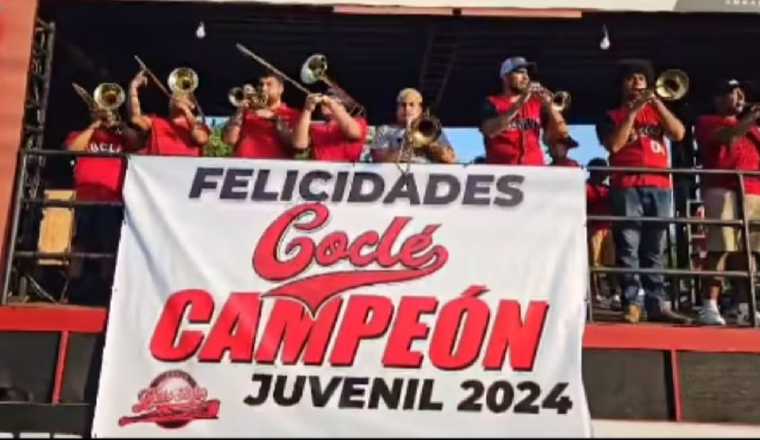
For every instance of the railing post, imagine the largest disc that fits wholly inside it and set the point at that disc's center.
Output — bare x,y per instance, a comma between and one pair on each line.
748,253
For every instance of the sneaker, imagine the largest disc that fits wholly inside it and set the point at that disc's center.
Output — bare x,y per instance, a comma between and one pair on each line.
742,317
632,314
710,316
615,303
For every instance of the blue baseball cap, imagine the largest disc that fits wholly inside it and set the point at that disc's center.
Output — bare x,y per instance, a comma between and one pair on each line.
511,64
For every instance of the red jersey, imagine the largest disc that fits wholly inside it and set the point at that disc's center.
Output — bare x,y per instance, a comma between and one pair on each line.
743,155
330,144
99,178
258,136
598,202
168,138
519,143
566,162
645,148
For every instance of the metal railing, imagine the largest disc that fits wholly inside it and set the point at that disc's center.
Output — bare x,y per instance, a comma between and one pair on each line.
744,223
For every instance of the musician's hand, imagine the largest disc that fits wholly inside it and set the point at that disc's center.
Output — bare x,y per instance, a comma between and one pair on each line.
312,101
139,80
754,110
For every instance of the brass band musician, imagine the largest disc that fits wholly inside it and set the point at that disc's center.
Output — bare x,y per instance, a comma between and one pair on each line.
389,140
339,139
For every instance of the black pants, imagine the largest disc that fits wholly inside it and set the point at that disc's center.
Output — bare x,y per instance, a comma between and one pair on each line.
98,230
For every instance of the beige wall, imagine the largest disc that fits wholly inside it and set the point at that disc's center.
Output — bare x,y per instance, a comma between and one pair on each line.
16,30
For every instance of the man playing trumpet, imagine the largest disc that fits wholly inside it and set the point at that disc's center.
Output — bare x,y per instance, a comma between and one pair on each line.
512,121
262,132
181,134
390,142
340,139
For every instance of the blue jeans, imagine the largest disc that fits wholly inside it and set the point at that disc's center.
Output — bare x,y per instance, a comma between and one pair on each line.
642,245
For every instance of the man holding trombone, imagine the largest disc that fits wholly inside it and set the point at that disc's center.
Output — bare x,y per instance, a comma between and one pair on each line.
99,179
181,134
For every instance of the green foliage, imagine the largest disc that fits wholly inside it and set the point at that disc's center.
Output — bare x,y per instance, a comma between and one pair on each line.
216,146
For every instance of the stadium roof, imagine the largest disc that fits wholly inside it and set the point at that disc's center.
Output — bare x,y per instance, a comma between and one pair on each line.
453,59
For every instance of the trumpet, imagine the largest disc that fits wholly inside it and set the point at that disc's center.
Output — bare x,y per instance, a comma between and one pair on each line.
314,70
561,99
423,131
255,97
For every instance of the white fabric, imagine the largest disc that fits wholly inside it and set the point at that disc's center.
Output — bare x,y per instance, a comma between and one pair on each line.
520,236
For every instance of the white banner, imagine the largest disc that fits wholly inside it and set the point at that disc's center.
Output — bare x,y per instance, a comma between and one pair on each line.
289,298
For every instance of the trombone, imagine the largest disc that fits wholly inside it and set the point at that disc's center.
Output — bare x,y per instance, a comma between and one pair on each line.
107,96
314,70
671,85
183,81
423,131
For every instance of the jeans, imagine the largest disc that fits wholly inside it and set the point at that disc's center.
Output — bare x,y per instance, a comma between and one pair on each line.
642,245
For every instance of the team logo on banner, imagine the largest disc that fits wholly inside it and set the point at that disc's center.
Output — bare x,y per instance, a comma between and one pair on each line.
172,401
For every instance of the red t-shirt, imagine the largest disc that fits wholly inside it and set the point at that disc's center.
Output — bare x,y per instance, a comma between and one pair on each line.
99,178
598,203
743,155
258,136
566,162
168,138
329,144
519,143
646,148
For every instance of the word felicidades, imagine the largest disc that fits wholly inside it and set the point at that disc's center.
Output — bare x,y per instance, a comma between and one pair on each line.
465,330
358,187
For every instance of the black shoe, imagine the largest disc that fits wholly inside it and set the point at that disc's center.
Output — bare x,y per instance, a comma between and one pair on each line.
668,315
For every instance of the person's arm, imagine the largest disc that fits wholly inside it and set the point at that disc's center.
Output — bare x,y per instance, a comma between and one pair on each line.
673,127
133,139
350,128
441,150
619,134
300,135
133,104
493,122
81,141
231,132
198,130
555,127
729,135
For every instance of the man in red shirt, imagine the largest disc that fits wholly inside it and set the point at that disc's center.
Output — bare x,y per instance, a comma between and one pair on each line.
512,121
181,134
98,179
635,135
340,139
728,140
262,133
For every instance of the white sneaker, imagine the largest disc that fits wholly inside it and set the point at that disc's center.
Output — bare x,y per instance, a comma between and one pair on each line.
742,318
710,316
